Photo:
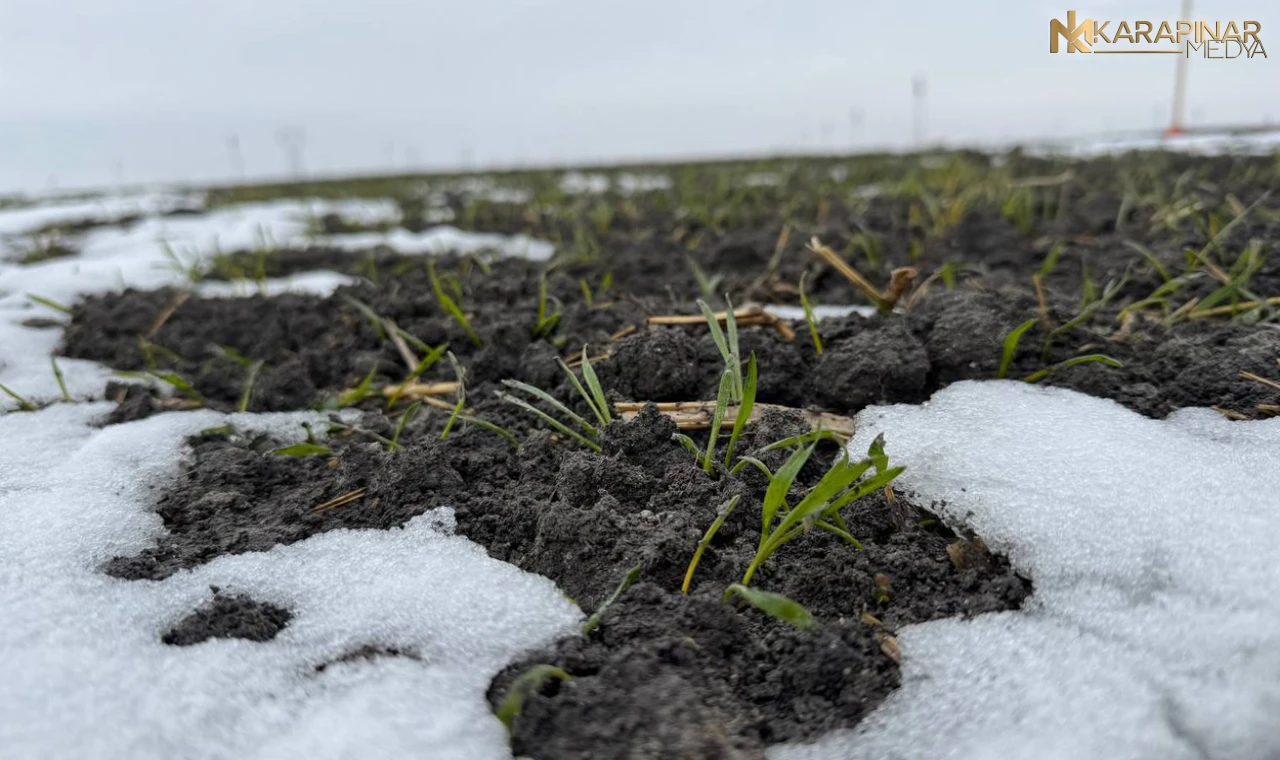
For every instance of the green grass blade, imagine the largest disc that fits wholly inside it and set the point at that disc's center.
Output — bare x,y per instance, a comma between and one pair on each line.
802,438
360,392
303,450
774,605
809,318
776,495
731,327
1011,346
690,445
631,577
450,306
1073,361
405,419
431,358
841,532
484,424
716,333
722,514
57,376
744,408
49,302
379,328
23,404
555,404
717,418
597,390
180,384
250,378
552,421
525,684
744,461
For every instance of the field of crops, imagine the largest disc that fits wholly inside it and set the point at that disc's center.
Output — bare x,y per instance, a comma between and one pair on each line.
870,456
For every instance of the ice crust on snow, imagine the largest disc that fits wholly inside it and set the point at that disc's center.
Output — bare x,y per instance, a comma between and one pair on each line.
1154,547
820,311
84,673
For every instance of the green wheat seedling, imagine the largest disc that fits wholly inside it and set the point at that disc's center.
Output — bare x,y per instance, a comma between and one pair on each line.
62,382
409,413
809,318
728,346
547,319
450,305
592,393
23,404
433,355
1091,308
460,375
722,514
707,286
594,621
706,458
1041,374
186,264
49,302
304,449
1011,346
359,393
774,605
527,683
820,508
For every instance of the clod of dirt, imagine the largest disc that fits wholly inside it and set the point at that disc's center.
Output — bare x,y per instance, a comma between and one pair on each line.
655,364
882,363
229,616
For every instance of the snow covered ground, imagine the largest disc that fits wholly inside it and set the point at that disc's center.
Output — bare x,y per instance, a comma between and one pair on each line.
1154,631
155,252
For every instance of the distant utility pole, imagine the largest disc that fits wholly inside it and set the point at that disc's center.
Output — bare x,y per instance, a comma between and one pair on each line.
237,158
1179,83
855,125
917,109
292,140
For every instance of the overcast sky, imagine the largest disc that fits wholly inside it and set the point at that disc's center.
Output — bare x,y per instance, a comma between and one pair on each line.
94,91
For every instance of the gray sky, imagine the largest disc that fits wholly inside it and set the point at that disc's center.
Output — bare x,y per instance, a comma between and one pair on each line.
93,91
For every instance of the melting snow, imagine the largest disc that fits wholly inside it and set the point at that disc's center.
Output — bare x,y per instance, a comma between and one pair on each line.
84,673
114,258
1154,546
820,311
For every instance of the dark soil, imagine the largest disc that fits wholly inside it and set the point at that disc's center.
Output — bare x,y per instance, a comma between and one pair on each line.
229,616
665,674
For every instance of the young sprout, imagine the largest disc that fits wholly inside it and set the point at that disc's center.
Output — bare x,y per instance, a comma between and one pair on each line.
461,403
304,449
526,684
410,412
450,305
433,356
707,286
722,514
631,577
728,347
23,404
375,322
251,377
547,321
57,376
360,392
820,508
1041,374
1011,346
592,394
777,606
180,384
49,302
809,319
744,410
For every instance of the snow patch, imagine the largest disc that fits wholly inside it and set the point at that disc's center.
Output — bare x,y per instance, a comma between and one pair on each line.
1154,630
820,311
84,673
